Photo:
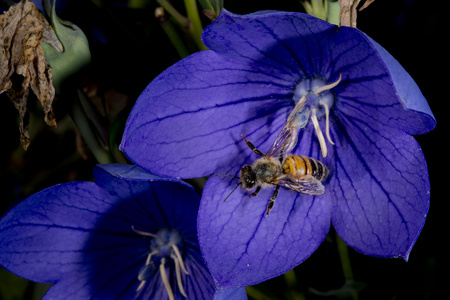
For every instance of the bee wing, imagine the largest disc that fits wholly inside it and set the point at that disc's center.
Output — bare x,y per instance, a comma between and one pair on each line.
306,184
288,136
281,142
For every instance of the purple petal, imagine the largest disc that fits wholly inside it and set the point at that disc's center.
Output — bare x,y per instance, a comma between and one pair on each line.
243,247
228,96
235,294
380,189
125,172
409,93
280,42
188,120
65,235
163,205
375,83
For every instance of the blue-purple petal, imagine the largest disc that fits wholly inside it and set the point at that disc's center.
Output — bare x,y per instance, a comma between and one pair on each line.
380,189
189,119
243,247
376,84
103,174
308,47
37,233
422,120
282,42
234,294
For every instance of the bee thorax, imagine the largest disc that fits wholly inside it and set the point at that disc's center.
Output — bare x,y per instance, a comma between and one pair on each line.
267,170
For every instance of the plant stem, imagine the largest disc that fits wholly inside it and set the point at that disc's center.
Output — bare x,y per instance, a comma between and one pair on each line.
81,121
196,27
173,35
345,258
179,18
291,282
254,293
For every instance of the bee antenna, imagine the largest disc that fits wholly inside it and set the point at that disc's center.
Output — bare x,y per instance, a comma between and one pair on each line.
232,191
234,187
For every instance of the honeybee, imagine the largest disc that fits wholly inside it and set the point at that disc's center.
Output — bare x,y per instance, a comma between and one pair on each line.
275,168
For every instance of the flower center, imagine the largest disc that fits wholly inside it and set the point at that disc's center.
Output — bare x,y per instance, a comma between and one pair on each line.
313,100
165,245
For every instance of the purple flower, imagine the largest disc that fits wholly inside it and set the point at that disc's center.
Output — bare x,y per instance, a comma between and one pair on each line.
361,108
129,235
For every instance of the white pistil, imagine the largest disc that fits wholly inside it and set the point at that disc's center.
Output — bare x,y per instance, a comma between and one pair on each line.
149,257
178,274
328,86
322,143
178,254
140,285
327,122
162,270
179,265
144,233
147,262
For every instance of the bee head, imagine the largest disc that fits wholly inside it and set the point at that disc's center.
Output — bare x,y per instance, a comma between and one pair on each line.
248,178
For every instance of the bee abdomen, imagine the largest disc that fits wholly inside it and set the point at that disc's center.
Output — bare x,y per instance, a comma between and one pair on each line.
299,165
320,171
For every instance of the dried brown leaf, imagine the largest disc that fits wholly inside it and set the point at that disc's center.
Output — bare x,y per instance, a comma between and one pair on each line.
22,63
367,3
349,12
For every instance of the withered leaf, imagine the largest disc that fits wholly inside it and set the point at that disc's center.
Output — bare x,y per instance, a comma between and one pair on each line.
349,11
22,63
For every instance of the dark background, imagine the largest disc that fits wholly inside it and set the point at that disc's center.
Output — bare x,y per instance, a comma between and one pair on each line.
129,49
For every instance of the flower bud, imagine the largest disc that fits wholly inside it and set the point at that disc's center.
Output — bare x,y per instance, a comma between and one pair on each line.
75,55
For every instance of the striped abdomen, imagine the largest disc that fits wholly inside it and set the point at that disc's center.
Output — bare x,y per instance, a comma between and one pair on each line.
300,165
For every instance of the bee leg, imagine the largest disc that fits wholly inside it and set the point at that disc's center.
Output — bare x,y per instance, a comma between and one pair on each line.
251,146
255,192
272,200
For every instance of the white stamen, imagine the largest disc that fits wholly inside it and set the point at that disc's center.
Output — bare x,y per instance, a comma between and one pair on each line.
328,86
180,259
149,257
178,274
147,262
327,122
322,143
144,233
140,285
175,255
165,280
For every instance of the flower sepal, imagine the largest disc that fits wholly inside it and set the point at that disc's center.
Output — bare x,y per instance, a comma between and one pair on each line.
211,8
75,55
